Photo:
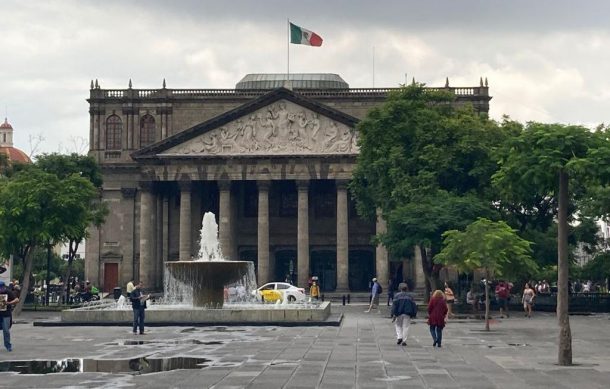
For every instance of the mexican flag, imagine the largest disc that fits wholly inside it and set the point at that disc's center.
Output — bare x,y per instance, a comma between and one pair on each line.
301,36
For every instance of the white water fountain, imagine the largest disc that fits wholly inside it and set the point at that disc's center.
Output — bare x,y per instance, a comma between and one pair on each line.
203,280
194,295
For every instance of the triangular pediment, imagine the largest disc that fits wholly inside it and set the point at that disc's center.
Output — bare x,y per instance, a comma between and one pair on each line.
280,123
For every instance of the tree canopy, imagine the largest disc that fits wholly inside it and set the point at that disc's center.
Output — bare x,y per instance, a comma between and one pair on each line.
491,246
41,208
554,161
427,164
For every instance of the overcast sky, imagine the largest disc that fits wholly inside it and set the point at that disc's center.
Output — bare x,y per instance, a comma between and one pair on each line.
545,60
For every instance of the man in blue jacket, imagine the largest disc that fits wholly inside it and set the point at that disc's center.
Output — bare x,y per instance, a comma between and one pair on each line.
403,310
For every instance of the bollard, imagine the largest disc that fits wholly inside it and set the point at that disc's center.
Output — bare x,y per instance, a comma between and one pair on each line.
322,298
343,298
348,298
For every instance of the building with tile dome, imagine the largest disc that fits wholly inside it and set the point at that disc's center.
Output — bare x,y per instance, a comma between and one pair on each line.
11,153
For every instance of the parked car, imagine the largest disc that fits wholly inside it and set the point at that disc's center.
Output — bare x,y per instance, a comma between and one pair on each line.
274,291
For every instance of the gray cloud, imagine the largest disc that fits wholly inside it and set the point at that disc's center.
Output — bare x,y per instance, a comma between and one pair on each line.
545,61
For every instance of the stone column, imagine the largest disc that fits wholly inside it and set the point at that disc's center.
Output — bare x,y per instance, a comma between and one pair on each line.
303,233
381,253
165,255
342,237
159,238
263,232
128,204
185,221
224,225
147,204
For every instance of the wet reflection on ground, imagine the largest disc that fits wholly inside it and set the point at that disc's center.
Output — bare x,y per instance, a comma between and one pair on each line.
142,365
162,342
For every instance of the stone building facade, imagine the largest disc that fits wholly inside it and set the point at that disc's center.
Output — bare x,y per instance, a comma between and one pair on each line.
272,163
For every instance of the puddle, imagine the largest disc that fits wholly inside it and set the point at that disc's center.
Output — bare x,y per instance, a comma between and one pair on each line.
143,365
210,329
162,342
518,344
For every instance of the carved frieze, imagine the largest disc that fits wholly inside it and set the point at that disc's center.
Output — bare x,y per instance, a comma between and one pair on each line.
280,128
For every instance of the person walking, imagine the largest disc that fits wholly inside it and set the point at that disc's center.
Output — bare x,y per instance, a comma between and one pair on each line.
391,288
7,299
528,299
437,313
502,292
375,292
450,298
403,310
138,304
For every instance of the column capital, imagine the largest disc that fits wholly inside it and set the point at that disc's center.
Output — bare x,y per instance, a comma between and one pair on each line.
146,186
302,185
341,184
224,185
128,193
185,186
263,185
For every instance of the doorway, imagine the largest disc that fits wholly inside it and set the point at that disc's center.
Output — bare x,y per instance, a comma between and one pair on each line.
361,270
324,266
286,266
111,276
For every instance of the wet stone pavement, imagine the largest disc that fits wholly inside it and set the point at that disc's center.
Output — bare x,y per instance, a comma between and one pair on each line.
361,353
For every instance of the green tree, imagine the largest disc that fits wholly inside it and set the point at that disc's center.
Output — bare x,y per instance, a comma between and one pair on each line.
37,208
546,159
493,247
64,166
420,155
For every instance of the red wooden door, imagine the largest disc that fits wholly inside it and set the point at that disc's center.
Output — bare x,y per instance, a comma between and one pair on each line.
111,276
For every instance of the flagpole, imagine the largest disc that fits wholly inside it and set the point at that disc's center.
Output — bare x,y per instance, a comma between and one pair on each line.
288,50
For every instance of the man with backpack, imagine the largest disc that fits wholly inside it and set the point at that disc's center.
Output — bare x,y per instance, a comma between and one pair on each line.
502,296
404,309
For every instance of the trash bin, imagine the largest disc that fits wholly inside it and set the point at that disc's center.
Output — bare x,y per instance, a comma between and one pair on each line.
117,292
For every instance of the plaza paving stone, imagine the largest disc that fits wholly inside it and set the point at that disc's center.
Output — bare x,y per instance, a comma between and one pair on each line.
361,353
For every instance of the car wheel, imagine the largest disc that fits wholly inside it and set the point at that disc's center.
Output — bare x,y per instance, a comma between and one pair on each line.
292,299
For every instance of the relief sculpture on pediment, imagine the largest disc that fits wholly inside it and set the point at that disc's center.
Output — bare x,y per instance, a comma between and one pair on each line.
280,128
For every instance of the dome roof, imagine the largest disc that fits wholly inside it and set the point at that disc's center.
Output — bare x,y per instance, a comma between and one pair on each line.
298,80
6,125
15,155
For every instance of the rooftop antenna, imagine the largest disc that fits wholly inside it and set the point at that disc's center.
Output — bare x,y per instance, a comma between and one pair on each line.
373,66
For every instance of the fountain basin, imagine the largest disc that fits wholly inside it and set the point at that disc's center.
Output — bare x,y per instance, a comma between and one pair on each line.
207,278
292,314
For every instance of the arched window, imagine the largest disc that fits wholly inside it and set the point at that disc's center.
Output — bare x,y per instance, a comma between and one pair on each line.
114,132
147,130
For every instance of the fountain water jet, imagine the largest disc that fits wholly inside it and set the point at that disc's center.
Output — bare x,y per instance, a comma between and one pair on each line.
205,278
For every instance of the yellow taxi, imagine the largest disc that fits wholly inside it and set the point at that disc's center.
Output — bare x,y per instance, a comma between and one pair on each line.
274,291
